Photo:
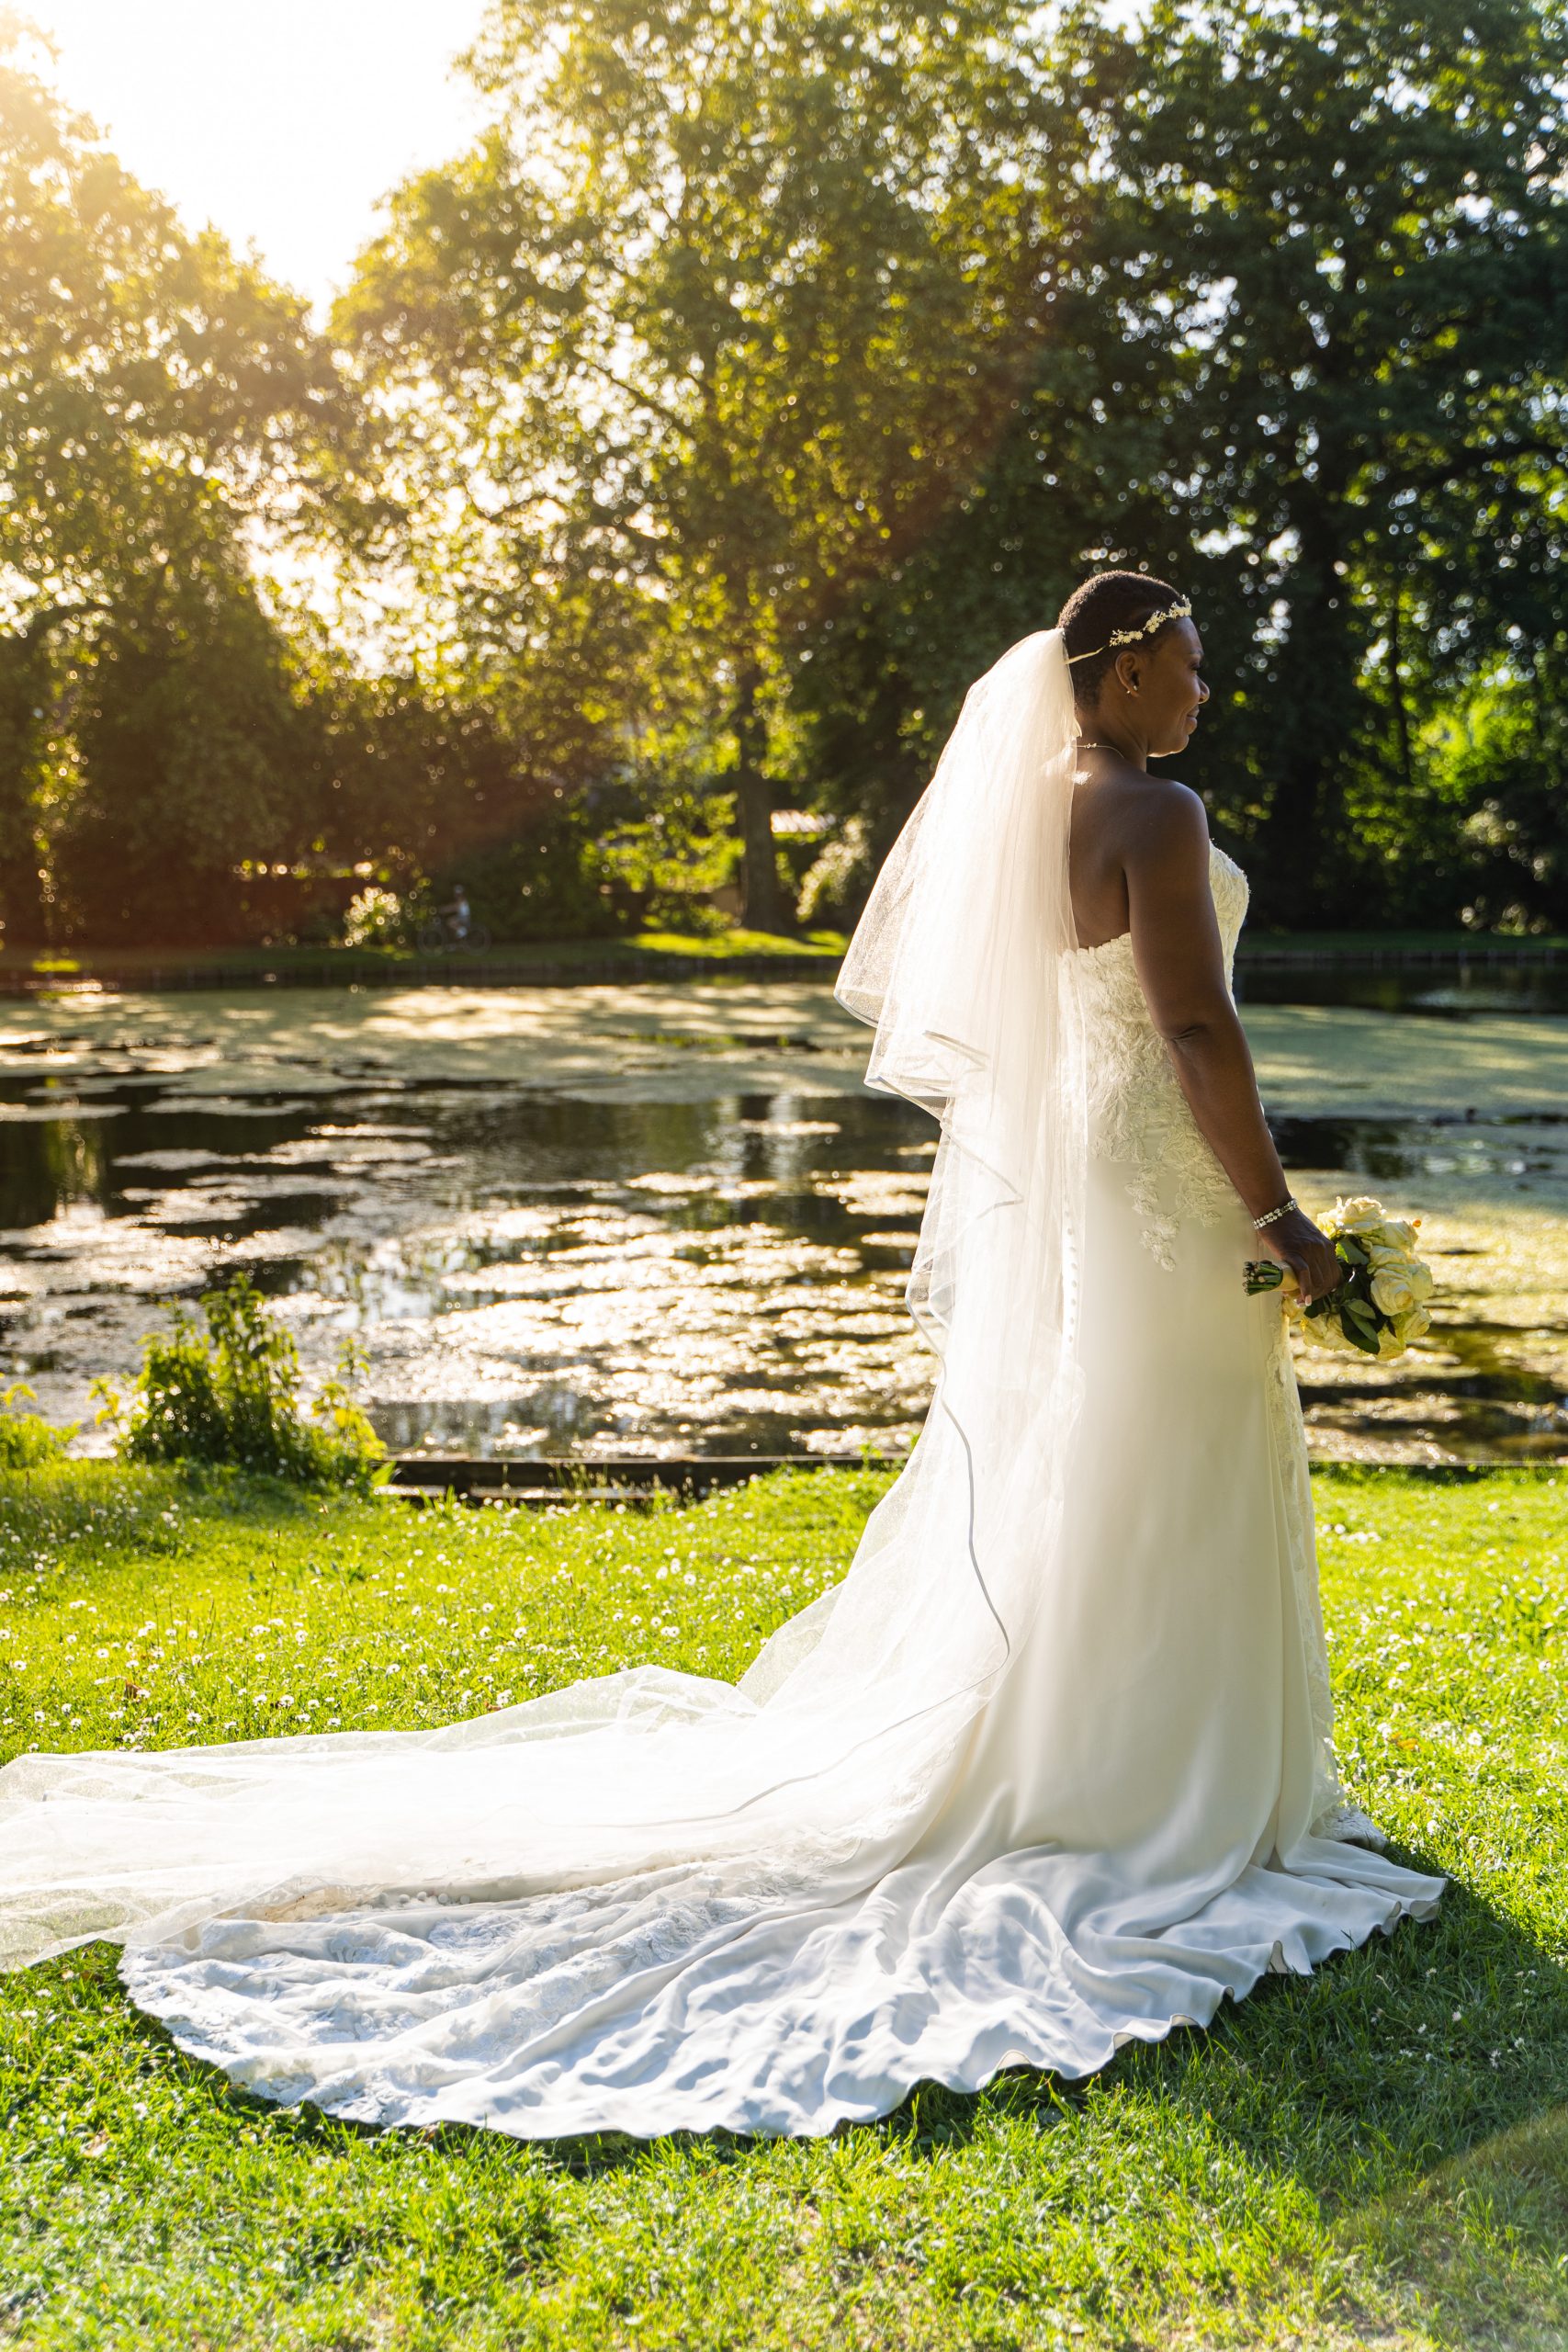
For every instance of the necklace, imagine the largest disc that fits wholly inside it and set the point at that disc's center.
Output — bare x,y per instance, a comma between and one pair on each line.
1088,743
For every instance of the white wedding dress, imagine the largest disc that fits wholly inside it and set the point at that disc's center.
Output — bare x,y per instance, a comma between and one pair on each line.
1074,1789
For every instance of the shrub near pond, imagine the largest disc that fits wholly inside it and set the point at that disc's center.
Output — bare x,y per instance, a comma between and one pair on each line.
551,882
27,1441
231,1393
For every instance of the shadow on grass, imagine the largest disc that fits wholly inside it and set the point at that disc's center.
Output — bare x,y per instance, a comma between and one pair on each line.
1415,2089
1434,2145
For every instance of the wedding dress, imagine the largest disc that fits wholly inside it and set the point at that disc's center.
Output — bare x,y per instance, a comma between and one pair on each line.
1051,1770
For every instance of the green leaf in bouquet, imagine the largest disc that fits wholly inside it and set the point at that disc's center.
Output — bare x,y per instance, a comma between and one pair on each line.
1352,1250
1358,1337
1360,1319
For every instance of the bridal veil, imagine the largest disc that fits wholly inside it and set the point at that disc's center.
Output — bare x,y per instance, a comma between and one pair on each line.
673,1798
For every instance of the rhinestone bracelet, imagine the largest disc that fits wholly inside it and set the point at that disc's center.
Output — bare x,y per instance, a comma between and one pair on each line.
1272,1216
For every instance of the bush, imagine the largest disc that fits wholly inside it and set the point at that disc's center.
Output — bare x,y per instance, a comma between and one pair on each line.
231,1393
375,918
551,882
26,1438
672,849
837,881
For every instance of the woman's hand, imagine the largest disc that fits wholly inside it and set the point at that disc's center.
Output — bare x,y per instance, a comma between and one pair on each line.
1309,1254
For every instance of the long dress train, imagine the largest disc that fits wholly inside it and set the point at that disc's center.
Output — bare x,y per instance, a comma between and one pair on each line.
1137,1817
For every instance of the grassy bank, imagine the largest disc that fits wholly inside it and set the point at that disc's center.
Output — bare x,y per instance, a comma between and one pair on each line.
1379,2153
647,955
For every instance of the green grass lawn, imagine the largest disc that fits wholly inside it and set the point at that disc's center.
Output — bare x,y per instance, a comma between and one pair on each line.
1377,2155
721,946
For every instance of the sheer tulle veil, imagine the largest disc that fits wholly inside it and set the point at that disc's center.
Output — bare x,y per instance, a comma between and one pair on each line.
655,1793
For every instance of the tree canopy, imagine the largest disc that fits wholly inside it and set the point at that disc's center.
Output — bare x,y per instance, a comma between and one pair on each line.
755,377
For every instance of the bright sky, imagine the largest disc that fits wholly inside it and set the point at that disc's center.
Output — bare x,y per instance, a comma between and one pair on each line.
281,121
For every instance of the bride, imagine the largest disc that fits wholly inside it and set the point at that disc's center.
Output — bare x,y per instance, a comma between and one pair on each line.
1051,1770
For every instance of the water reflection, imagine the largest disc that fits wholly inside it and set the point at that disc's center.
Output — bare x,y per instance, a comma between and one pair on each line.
533,1271
1449,987
1518,1145
528,1272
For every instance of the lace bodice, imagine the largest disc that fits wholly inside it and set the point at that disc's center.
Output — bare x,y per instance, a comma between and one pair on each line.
1139,1118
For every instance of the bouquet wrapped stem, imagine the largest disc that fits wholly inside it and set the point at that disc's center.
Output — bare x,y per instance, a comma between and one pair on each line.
1381,1305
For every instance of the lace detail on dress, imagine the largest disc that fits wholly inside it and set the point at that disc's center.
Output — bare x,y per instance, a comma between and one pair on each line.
1139,1117
437,1977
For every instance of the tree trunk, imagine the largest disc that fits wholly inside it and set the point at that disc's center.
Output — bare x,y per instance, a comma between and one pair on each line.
1316,703
24,689
1401,709
22,910
754,807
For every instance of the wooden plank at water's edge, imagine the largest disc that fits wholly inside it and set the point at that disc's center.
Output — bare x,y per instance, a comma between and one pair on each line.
635,1478
612,1478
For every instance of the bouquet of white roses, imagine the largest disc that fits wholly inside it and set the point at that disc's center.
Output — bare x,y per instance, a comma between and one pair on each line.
1380,1306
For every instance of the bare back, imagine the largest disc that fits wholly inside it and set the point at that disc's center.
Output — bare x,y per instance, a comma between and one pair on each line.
1138,867
1114,818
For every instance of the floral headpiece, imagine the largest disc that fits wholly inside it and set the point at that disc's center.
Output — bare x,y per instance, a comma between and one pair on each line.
1182,611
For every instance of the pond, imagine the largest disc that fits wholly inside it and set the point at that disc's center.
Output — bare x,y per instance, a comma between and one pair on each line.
669,1219
1450,985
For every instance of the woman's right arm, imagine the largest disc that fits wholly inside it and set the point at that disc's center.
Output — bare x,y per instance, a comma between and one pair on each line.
1180,960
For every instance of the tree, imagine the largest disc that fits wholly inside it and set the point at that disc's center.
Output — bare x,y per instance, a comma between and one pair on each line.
191,745
1305,359
1356,214
160,401
719,316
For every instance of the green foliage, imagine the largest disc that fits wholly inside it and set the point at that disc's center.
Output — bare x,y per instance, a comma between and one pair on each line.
231,1393
755,376
188,740
671,855
376,916
1308,361
160,398
553,881
1384,220
708,306
27,1440
1374,2154
723,944
838,882
1500,757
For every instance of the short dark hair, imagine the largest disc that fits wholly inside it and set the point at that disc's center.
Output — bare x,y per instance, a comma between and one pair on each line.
1105,603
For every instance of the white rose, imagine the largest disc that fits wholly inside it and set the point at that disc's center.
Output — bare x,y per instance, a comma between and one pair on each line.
1393,1293
1402,1283
1324,1331
1395,1337
1381,1253
1360,1215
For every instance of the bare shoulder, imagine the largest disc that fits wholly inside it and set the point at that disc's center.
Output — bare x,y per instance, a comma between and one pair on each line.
1170,823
